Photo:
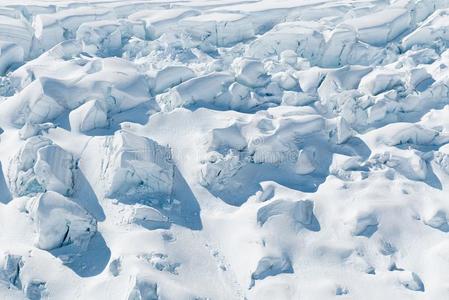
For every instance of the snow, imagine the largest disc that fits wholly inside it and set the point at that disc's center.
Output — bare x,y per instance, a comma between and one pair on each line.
11,54
302,37
380,27
17,31
171,76
220,29
105,37
432,30
160,21
40,166
250,72
88,116
51,29
137,167
60,222
224,149
199,90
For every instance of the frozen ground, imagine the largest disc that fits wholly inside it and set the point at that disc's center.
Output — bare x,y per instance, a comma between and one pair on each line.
226,149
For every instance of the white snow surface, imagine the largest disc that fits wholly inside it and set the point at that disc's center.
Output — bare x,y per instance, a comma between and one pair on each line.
224,149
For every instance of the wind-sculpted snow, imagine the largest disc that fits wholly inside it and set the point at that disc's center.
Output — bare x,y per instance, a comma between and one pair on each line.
226,149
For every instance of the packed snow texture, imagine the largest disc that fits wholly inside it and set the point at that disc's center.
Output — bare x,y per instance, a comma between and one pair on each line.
224,149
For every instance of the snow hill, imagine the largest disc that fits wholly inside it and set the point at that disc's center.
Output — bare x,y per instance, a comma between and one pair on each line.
224,149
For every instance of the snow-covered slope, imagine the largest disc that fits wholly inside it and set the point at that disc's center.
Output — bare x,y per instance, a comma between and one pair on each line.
224,149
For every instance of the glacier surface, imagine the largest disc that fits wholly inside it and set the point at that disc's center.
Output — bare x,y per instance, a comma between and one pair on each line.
224,149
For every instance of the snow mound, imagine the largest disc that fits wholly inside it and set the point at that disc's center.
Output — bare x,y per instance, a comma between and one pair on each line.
301,212
144,288
271,266
90,115
302,37
219,29
51,29
60,222
41,166
137,168
204,90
